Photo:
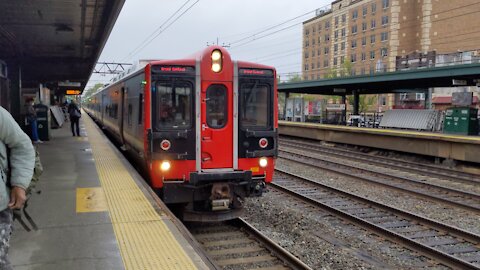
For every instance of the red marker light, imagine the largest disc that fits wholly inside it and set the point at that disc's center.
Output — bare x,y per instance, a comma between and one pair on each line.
263,142
165,145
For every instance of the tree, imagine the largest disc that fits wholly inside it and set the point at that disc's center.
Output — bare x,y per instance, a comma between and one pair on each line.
364,102
294,78
90,91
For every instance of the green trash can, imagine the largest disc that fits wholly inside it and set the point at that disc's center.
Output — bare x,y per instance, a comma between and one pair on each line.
43,122
461,120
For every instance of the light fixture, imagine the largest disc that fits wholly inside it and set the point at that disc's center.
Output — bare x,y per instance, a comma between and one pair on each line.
263,162
165,166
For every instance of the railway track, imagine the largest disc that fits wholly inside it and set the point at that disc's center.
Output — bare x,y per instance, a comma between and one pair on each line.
237,245
454,197
447,245
428,170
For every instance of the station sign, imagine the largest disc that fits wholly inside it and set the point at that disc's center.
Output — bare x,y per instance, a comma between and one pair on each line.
73,92
69,84
459,82
255,72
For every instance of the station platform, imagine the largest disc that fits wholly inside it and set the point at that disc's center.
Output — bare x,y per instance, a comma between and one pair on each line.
95,212
454,147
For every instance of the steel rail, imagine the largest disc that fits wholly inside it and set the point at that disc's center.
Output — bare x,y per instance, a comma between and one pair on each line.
413,220
278,256
462,197
424,169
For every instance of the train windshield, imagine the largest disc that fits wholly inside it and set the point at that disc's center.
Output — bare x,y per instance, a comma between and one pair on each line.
254,108
174,104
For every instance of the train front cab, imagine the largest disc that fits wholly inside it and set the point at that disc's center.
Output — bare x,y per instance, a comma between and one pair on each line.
218,145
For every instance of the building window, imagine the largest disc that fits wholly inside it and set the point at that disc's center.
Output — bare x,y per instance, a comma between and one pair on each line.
364,26
305,67
344,32
364,11
362,71
313,53
319,52
383,100
327,37
342,46
355,14
344,18
319,40
307,32
384,36
314,29
335,47
354,43
374,7
372,39
327,24
364,41
342,59
335,34
372,70
325,63
373,24
326,50
384,20
319,26
353,58
385,3
306,55
420,96
313,41
383,52
336,21
307,42
364,56
354,29
313,65
335,61
372,54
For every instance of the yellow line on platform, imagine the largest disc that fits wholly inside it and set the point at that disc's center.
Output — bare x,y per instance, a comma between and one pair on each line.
91,200
144,240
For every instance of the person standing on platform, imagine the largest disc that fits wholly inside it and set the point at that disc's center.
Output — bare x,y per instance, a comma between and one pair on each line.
16,171
75,115
32,120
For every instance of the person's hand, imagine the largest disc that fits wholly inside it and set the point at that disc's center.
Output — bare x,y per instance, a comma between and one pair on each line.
17,198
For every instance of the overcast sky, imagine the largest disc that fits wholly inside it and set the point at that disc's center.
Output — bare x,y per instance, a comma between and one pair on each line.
207,20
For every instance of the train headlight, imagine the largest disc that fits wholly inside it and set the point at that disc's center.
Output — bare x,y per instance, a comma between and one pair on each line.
263,162
165,166
216,61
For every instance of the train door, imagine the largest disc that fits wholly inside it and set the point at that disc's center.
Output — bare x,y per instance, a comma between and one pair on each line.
216,126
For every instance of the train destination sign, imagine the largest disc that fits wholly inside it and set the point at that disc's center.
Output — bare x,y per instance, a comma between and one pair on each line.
173,69
256,72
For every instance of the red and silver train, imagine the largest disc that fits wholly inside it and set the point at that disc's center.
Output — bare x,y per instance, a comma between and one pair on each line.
204,128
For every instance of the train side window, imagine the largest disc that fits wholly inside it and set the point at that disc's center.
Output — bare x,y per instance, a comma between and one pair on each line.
217,106
255,99
129,114
140,109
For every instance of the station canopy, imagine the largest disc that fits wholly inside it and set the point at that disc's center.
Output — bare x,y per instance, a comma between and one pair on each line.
55,41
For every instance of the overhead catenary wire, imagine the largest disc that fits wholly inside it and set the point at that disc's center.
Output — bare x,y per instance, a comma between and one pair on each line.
164,26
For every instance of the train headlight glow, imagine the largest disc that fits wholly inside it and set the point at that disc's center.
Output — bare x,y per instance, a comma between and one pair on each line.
216,61
165,166
263,162
216,55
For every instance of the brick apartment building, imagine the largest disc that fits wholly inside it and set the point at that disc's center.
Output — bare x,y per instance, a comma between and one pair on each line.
370,35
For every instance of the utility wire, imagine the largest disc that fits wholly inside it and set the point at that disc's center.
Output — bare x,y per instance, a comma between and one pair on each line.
162,28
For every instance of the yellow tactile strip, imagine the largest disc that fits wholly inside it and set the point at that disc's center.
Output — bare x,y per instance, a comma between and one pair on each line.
144,240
